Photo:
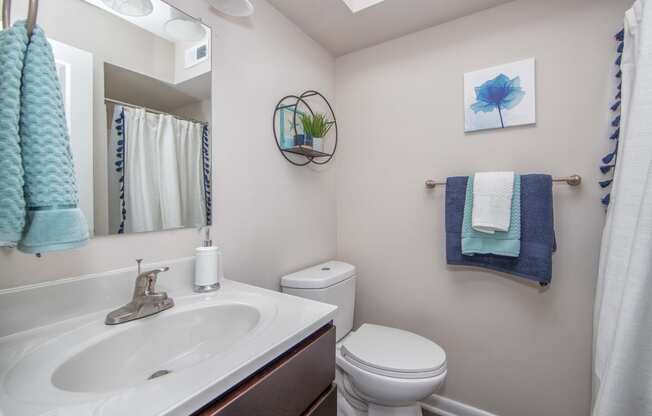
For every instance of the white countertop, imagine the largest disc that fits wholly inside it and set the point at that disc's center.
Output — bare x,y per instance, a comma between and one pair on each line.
26,380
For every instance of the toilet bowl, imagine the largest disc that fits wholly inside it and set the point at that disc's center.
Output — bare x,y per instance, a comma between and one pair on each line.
388,370
381,371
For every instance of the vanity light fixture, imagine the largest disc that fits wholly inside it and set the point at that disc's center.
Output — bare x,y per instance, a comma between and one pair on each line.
133,8
185,30
235,8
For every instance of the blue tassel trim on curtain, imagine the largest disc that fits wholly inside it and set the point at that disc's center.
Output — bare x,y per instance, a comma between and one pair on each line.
616,134
609,160
120,166
206,171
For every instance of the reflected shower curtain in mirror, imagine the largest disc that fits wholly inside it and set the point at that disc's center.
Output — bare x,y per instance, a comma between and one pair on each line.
622,330
163,172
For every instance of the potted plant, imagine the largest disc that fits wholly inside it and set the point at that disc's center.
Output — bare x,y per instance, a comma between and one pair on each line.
315,127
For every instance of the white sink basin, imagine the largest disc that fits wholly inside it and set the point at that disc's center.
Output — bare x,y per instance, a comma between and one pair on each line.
204,345
169,343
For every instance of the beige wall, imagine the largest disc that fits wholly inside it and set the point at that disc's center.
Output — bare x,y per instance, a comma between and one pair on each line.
270,217
199,110
513,349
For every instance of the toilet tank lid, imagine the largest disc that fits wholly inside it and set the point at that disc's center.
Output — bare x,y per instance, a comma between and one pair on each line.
319,276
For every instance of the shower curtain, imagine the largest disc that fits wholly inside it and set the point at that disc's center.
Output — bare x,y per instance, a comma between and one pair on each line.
163,172
622,353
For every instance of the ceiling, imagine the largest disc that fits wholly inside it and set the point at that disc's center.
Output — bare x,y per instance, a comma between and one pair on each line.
332,23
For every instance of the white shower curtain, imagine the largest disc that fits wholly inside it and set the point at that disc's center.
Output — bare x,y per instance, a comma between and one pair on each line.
623,305
163,172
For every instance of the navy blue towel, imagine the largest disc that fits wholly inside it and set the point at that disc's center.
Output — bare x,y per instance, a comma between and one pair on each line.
537,231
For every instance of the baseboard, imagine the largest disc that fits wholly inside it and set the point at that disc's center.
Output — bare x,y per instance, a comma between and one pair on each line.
442,406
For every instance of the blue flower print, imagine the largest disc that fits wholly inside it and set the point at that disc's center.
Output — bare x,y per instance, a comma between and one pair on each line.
500,93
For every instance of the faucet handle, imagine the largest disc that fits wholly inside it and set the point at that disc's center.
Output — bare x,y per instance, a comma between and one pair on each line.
154,273
139,261
152,276
146,281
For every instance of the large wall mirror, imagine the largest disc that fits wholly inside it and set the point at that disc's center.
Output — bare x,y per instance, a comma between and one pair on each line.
136,80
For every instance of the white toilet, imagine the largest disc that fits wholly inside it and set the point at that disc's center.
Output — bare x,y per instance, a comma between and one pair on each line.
381,371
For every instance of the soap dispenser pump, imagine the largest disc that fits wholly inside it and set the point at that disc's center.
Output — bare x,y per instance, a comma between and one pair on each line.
208,265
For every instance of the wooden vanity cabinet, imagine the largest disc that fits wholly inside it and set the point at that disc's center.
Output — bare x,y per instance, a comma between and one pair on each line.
298,383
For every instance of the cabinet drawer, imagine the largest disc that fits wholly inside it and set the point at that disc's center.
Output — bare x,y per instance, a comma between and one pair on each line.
287,386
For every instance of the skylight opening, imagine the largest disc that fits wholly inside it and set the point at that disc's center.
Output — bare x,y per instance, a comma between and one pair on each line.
359,5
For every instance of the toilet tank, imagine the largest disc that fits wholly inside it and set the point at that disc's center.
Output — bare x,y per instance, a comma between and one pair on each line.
331,282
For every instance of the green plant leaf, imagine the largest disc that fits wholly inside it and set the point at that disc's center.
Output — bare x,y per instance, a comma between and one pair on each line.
317,125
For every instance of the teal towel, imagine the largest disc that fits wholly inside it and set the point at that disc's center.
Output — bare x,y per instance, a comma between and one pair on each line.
500,243
13,44
54,220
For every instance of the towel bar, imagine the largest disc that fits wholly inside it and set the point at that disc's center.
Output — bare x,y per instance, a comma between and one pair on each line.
573,180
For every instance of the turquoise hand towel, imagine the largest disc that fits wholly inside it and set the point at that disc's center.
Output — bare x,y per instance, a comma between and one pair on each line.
13,44
500,243
54,220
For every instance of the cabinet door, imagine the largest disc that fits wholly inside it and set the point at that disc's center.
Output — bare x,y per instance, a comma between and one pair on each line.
286,387
326,405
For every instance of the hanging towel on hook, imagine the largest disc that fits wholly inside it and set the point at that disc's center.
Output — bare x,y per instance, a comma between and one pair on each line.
13,44
54,220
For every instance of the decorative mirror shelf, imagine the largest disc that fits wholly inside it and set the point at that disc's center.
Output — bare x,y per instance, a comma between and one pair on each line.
288,132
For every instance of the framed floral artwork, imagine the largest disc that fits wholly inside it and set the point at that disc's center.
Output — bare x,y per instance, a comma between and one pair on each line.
501,96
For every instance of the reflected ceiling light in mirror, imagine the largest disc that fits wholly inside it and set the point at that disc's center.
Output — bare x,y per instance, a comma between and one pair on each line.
235,8
133,8
185,30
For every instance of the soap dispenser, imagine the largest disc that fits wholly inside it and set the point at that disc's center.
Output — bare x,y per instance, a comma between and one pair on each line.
208,265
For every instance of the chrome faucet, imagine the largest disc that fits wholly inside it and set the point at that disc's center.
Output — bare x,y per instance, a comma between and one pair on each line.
146,301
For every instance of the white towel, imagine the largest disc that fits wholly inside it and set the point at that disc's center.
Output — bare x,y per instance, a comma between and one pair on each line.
492,201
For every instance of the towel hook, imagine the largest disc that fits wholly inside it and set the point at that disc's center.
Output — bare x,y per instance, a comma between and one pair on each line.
32,14
6,14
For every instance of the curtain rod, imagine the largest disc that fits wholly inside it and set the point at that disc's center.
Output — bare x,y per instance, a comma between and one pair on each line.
573,180
151,110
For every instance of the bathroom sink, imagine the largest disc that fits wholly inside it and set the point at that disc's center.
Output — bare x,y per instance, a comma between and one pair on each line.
168,364
95,359
166,344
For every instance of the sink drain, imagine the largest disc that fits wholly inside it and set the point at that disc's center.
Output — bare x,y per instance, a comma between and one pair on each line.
159,373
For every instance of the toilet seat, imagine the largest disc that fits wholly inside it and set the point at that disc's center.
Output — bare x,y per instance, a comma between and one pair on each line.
392,352
395,374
